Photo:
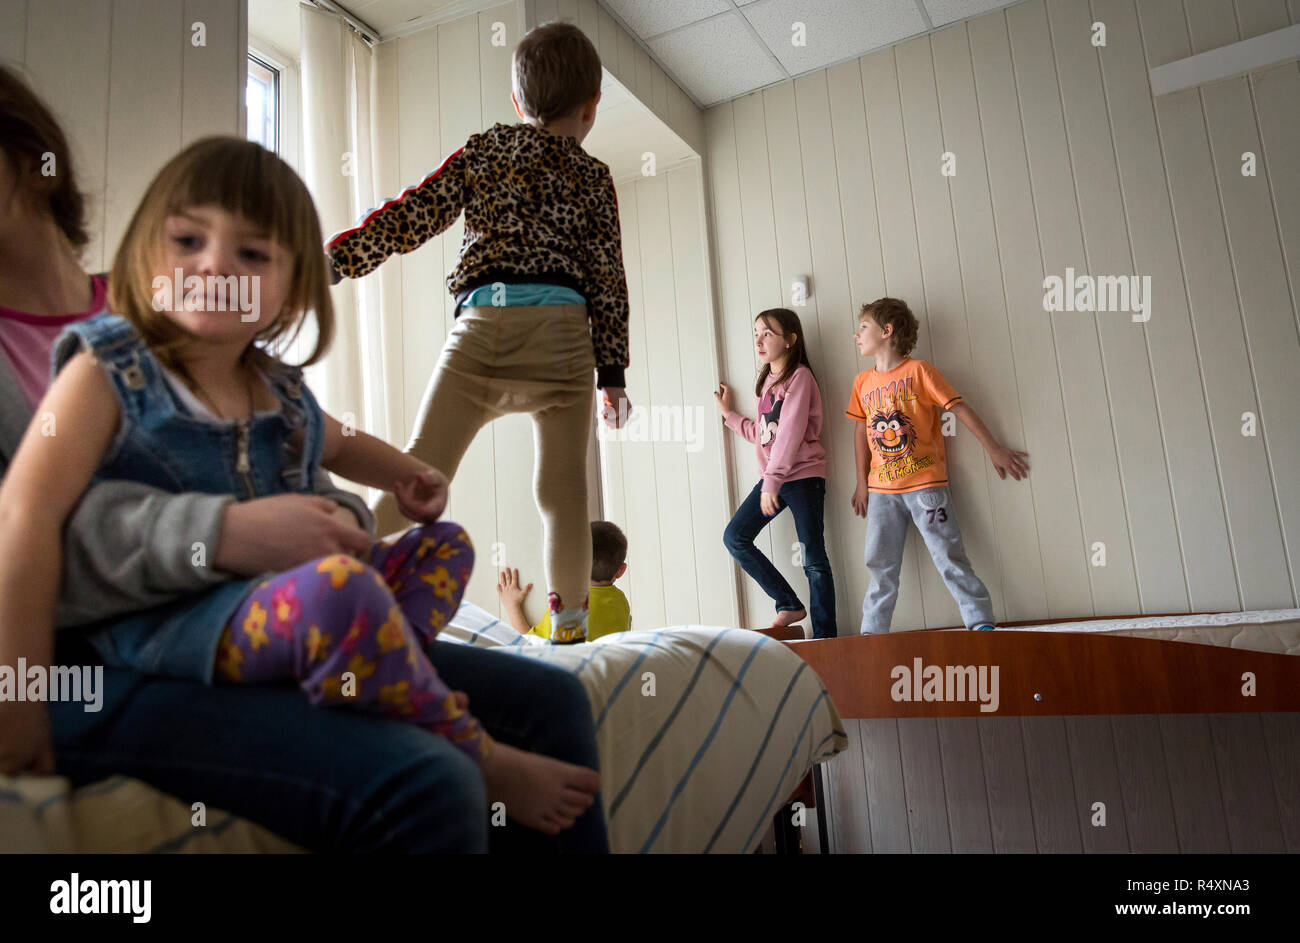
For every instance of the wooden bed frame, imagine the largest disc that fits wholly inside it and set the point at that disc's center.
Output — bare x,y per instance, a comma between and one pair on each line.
1039,674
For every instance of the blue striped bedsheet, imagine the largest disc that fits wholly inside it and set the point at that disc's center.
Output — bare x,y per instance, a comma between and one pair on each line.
703,731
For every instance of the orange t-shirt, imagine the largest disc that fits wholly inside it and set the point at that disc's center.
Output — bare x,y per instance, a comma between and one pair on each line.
902,408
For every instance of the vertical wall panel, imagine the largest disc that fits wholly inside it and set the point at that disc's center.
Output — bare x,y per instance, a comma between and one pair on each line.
70,71
1083,382
215,75
1022,586
13,31
1194,784
697,362
1225,361
1133,417
1180,391
1262,289
152,31
1060,534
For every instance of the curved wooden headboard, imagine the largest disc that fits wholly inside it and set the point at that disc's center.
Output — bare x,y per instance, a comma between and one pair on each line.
1070,672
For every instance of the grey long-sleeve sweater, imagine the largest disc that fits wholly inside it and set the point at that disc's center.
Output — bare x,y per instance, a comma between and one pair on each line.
127,546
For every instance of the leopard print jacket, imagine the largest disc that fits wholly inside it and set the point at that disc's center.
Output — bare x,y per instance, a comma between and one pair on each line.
537,208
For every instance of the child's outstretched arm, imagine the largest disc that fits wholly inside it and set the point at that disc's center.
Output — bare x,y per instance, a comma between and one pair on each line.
421,490
55,461
1005,460
402,224
512,594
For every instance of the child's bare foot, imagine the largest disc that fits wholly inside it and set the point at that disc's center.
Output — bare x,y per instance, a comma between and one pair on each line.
539,791
788,617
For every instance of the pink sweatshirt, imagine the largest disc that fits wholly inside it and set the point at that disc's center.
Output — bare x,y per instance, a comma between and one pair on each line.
788,430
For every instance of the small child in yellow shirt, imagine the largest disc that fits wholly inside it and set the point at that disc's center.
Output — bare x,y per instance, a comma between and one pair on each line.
608,611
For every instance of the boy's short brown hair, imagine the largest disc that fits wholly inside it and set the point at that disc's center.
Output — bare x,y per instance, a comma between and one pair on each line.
30,134
556,71
608,550
887,311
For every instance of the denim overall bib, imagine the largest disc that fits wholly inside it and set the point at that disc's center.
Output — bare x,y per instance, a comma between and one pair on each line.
160,443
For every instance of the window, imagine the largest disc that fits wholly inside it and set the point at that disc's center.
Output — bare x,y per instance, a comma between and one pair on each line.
263,99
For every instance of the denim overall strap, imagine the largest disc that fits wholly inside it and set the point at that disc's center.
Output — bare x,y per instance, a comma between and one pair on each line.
114,343
294,393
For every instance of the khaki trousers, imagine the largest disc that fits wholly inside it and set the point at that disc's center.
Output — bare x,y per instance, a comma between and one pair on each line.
537,360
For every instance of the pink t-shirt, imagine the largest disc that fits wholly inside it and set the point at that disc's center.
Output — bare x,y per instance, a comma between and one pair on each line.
26,340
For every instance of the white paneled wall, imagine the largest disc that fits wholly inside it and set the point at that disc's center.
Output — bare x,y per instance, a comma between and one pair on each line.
130,88
669,493
1134,430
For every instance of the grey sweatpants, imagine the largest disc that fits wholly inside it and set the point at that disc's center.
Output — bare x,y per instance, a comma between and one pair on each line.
887,525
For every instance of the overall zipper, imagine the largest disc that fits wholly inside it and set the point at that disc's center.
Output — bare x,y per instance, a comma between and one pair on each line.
242,465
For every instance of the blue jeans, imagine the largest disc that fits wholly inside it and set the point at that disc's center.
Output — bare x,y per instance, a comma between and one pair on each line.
806,498
334,780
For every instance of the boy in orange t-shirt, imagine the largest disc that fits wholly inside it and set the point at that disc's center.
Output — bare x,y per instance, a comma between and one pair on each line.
903,465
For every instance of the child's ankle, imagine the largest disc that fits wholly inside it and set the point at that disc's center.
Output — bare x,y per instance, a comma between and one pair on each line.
568,626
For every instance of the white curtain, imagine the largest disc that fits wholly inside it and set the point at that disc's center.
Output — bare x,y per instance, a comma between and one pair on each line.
338,163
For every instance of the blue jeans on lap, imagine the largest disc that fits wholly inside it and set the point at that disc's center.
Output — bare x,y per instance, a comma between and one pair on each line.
806,499
332,780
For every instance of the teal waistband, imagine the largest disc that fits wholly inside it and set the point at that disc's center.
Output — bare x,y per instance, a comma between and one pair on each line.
518,296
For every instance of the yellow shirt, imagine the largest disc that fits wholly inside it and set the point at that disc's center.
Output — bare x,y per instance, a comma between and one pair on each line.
607,612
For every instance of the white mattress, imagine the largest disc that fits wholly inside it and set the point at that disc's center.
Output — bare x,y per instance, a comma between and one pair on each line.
1263,630
736,721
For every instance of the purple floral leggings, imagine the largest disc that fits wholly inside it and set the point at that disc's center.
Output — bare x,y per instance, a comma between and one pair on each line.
355,635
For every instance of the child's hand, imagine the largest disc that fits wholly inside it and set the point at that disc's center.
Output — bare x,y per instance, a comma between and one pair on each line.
1008,461
724,400
769,504
860,500
423,497
509,589
25,742
615,406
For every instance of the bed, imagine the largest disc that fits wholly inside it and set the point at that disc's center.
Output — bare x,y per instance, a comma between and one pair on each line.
700,764
1184,730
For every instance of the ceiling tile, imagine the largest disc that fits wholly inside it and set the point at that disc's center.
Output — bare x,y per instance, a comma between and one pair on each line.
834,29
651,19
949,11
717,59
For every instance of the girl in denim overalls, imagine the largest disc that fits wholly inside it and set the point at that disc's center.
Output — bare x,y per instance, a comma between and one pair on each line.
219,265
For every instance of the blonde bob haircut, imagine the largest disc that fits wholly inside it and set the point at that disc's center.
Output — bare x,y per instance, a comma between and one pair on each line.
245,179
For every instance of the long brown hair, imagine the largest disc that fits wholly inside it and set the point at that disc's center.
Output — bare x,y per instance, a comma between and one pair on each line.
787,322
29,133
245,179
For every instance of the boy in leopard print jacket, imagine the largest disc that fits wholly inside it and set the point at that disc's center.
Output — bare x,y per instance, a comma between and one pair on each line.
541,295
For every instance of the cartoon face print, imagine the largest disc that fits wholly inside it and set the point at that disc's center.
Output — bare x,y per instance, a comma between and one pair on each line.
891,433
769,422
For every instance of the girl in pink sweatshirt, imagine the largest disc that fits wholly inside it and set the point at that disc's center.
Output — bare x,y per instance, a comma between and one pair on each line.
792,463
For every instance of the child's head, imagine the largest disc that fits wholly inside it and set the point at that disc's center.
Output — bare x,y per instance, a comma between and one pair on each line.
608,552
242,230
884,324
778,340
36,173
556,75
